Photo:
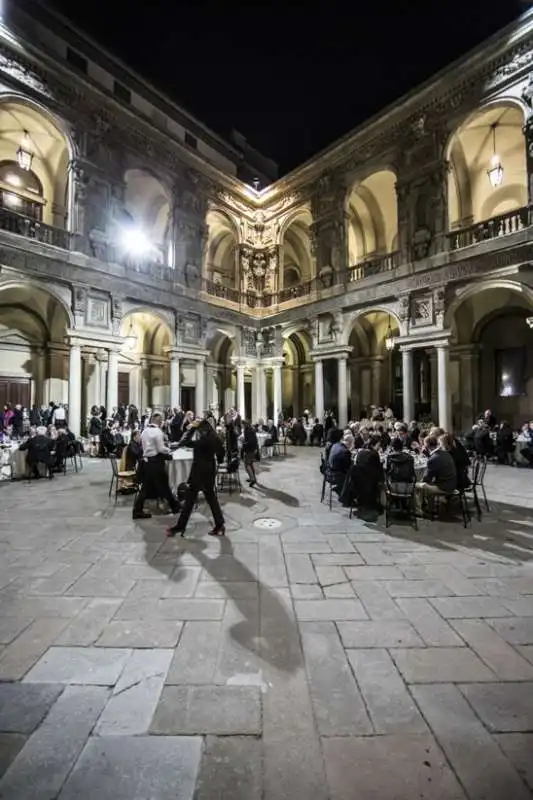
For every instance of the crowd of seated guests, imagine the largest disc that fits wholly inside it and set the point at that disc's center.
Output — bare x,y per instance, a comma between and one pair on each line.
47,450
361,460
499,442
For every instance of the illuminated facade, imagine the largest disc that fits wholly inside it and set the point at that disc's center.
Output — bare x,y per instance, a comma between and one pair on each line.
136,266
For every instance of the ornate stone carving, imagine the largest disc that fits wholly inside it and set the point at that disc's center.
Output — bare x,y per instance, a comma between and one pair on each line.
21,71
336,327
404,305
422,310
192,276
97,312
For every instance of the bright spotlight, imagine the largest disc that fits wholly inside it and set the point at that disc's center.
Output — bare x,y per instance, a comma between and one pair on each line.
135,241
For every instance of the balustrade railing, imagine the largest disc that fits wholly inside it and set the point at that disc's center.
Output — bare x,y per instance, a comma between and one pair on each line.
502,225
223,292
33,229
374,266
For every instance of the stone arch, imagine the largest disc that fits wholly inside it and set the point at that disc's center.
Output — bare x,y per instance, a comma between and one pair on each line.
488,320
297,262
25,123
151,330
148,212
221,260
34,326
469,152
353,316
372,211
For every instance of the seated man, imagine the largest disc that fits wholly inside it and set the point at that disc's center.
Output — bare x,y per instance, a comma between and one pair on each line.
441,474
38,451
339,463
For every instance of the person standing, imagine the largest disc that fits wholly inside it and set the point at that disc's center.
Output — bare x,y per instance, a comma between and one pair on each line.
154,475
207,450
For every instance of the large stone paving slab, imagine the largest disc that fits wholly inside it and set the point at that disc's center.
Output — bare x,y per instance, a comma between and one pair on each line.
24,706
86,665
221,710
401,767
502,707
136,768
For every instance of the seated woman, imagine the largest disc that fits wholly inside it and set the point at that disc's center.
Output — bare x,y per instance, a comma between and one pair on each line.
134,452
460,459
317,434
297,433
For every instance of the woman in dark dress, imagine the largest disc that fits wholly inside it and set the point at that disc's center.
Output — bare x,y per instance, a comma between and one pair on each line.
250,452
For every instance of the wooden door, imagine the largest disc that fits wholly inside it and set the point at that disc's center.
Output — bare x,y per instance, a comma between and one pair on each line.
15,391
123,388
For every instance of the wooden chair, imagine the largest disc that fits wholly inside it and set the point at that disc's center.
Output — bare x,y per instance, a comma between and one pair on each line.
118,475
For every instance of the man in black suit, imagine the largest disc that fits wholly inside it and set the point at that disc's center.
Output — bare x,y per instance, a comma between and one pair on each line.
441,474
38,451
207,450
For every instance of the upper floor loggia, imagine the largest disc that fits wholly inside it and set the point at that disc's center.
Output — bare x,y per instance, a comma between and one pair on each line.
445,172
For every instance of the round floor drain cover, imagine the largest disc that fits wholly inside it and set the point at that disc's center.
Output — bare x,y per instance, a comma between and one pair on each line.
267,522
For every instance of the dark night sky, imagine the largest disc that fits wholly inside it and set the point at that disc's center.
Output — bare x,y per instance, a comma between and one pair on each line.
292,81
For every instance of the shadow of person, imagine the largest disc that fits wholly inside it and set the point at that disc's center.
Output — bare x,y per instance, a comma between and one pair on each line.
277,494
273,637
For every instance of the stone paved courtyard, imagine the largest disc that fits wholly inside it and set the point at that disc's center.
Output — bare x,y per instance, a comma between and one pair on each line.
306,656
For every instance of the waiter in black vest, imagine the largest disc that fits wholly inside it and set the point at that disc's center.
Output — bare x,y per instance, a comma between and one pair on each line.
153,473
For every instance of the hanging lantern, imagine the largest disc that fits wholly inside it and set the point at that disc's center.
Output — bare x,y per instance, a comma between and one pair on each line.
495,173
130,341
25,153
390,342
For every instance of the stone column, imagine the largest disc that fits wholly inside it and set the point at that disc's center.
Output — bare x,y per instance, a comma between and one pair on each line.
102,378
342,391
376,369
74,389
277,392
443,359
433,385
319,390
212,393
468,375
407,385
175,393
39,376
92,382
112,382
241,405
261,393
135,385
200,389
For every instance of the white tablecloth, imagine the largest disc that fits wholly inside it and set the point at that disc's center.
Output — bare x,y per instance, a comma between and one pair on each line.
179,468
13,463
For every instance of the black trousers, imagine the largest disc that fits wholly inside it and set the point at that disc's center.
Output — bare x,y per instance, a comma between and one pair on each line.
155,485
190,500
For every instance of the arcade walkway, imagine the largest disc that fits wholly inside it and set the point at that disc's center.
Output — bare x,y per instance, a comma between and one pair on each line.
304,657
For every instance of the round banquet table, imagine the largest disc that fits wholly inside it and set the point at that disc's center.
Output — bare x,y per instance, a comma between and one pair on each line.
179,468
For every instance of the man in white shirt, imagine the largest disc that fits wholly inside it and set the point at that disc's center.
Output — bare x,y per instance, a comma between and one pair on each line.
153,475
59,417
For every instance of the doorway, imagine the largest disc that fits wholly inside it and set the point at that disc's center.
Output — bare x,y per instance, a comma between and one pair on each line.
123,388
188,398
